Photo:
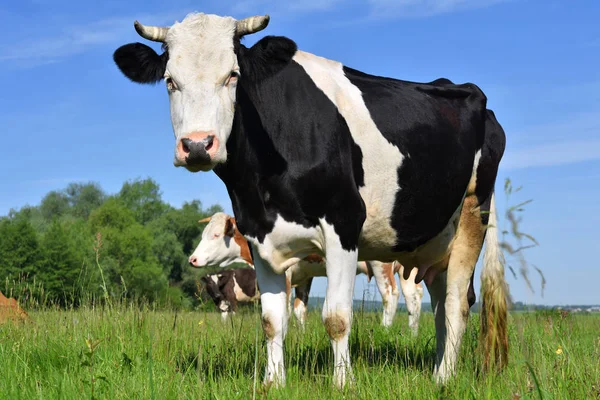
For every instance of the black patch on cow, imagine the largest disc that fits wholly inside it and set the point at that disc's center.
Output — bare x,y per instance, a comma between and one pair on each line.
141,63
290,141
438,128
267,57
246,280
491,154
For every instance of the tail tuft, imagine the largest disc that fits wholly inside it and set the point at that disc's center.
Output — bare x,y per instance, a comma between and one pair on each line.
494,294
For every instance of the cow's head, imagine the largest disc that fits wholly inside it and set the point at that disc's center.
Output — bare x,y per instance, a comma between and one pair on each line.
214,287
211,283
200,68
218,246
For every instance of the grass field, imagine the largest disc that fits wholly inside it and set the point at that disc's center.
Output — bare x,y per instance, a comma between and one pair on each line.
128,353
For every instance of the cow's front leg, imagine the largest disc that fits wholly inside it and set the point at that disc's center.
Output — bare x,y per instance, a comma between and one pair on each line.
225,309
337,309
273,298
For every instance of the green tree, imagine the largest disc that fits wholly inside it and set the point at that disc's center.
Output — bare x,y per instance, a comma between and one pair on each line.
143,198
84,198
111,214
168,250
54,205
127,252
82,245
145,243
19,249
59,267
146,280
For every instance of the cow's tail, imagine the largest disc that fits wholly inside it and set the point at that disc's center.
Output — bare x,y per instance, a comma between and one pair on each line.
494,295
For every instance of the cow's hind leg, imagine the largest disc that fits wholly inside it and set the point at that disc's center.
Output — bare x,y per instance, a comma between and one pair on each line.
337,309
386,283
437,291
273,298
463,257
413,295
301,302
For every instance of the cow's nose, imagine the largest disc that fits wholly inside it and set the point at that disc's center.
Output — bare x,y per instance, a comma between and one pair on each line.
196,149
193,261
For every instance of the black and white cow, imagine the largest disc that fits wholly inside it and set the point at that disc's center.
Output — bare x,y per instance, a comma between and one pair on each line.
318,157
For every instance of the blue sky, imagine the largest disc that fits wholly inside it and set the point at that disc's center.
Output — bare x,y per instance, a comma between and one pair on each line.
67,114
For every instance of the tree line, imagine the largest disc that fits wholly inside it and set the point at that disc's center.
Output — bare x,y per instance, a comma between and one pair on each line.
80,242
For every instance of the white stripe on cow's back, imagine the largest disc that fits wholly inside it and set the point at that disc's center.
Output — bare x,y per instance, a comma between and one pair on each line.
381,159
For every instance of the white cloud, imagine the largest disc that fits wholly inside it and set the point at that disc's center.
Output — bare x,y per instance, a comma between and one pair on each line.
74,39
51,47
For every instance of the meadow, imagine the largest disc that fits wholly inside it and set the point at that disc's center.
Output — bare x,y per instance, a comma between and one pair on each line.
133,352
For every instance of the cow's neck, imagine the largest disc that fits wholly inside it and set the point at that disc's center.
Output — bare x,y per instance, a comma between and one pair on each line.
251,158
287,135
245,253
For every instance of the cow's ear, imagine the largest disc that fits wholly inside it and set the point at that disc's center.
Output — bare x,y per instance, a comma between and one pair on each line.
141,63
204,278
267,57
229,227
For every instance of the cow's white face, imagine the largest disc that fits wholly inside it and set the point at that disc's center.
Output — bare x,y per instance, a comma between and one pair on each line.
217,246
200,69
201,77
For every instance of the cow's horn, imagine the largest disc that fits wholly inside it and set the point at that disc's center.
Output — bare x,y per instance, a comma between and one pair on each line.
203,220
154,33
251,24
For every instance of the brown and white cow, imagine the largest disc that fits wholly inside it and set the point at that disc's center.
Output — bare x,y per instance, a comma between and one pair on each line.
222,244
229,287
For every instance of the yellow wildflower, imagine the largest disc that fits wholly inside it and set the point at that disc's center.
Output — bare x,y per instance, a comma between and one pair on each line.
200,323
559,351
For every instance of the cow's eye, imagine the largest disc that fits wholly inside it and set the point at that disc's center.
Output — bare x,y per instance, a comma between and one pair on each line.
170,83
216,235
232,78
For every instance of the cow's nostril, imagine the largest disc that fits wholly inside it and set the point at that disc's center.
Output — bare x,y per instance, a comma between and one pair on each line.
185,145
209,142
193,260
